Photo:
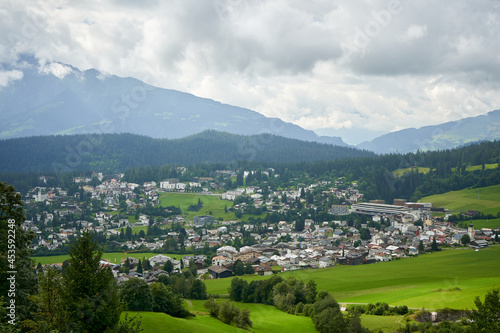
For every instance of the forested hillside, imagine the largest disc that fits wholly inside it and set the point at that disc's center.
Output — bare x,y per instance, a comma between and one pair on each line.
375,175
116,152
144,159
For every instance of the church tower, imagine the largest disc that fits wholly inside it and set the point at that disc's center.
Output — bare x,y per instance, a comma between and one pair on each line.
470,231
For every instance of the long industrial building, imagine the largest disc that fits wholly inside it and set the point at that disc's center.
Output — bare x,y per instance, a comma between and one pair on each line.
379,209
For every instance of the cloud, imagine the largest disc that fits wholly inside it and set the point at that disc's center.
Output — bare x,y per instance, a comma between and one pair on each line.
7,76
381,66
56,69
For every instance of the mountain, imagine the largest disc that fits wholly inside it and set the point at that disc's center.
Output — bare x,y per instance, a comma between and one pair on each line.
55,98
117,152
444,136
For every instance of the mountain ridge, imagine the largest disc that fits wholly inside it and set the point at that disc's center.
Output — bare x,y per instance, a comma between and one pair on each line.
117,152
56,98
447,135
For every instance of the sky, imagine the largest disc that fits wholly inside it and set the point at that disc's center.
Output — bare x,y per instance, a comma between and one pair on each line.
355,69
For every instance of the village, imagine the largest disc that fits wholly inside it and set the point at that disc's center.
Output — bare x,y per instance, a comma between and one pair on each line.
382,233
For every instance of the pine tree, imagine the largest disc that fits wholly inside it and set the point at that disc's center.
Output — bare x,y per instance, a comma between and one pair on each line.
90,293
139,267
14,255
434,246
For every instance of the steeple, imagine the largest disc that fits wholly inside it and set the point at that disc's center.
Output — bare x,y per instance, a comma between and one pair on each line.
470,231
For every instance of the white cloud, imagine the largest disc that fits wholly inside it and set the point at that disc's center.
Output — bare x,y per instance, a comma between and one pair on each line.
7,76
414,32
423,63
56,69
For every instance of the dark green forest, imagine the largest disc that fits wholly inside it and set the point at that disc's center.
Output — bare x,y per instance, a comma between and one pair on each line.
115,152
144,159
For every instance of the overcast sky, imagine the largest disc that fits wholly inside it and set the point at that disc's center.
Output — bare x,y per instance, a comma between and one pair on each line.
367,66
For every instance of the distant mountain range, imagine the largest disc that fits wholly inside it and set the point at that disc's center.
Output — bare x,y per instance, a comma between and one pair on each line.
444,136
58,99
117,152
55,98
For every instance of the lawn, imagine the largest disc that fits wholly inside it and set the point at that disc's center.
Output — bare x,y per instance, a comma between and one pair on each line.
401,172
425,281
488,201
479,224
382,323
211,203
113,257
152,322
480,167
266,318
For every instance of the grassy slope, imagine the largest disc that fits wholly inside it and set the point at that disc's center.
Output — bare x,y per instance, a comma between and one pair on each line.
383,323
112,257
401,172
211,203
458,201
413,282
479,224
266,318
159,322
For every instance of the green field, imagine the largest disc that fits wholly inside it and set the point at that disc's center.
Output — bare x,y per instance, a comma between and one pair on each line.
424,281
480,167
265,318
479,224
211,203
152,322
401,172
114,257
460,201
387,324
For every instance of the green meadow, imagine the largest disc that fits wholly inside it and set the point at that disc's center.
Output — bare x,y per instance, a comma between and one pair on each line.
152,322
382,323
480,167
450,278
480,224
211,203
265,318
113,257
488,201
401,172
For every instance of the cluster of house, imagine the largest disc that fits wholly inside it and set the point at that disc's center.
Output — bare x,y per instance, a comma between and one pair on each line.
318,245
156,263
313,249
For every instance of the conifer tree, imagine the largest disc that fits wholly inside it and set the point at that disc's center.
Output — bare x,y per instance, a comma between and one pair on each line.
90,292
15,263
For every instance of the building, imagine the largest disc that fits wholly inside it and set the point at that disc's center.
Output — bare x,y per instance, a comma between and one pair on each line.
471,231
339,210
203,220
379,209
219,272
478,244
